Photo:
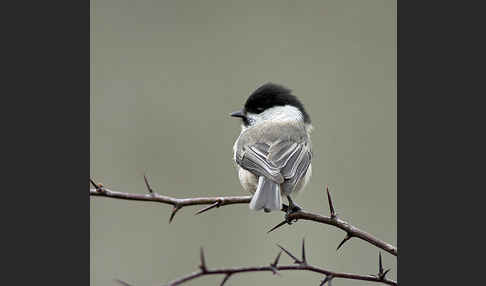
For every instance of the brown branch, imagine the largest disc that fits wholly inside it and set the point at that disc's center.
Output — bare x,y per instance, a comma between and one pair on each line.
177,204
213,202
302,265
223,201
350,230
235,270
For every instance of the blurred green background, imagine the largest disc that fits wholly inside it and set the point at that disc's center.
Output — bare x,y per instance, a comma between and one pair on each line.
164,77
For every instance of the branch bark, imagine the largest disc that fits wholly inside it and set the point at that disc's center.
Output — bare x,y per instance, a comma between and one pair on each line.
214,202
351,231
235,270
176,203
300,265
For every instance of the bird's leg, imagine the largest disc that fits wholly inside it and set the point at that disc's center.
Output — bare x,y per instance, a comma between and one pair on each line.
291,208
285,207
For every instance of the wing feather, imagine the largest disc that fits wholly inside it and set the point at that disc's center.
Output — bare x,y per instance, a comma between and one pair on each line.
284,162
301,167
254,159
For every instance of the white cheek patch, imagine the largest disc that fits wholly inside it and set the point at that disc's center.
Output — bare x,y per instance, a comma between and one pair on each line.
286,112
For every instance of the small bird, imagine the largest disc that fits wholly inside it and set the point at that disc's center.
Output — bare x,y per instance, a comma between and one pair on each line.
273,151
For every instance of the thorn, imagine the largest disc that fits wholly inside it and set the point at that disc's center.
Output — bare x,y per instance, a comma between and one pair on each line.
304,260
174,211
274,264
348,236
277,226
98,187
386,272
327,279
122,282
380,264
214,205
381,273
331,207
226,277
148,185
203,261
93,183
296,260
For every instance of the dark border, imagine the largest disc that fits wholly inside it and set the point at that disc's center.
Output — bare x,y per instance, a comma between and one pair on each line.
45,142
439,126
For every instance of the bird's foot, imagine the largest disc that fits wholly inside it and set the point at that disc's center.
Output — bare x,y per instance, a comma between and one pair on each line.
290,209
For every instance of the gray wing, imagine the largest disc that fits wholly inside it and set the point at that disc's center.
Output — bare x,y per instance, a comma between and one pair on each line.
295,169
284,162
255,160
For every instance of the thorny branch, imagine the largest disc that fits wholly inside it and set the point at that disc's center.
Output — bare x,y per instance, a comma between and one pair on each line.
177,204
299,264
216,202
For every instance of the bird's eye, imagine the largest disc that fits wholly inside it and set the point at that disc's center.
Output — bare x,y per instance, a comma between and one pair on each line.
260,109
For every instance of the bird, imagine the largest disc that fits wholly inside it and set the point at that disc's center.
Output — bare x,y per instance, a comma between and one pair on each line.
273,152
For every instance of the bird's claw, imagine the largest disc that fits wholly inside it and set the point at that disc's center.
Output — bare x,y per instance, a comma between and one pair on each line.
290,209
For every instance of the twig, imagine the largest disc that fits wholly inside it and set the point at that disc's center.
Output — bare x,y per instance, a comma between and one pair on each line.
180,203
177,204
236,270
351,231
213,202
348,228
273,267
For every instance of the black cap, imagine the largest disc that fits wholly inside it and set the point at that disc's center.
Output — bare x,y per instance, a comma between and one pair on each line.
270,95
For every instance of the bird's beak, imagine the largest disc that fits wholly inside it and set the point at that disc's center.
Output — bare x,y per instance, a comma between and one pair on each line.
239,113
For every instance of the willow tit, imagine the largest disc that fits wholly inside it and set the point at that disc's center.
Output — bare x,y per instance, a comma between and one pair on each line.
273,152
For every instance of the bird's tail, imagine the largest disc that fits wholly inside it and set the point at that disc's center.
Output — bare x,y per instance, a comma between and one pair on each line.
267,196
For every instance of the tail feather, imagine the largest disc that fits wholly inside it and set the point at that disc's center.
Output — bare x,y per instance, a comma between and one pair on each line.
267,196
